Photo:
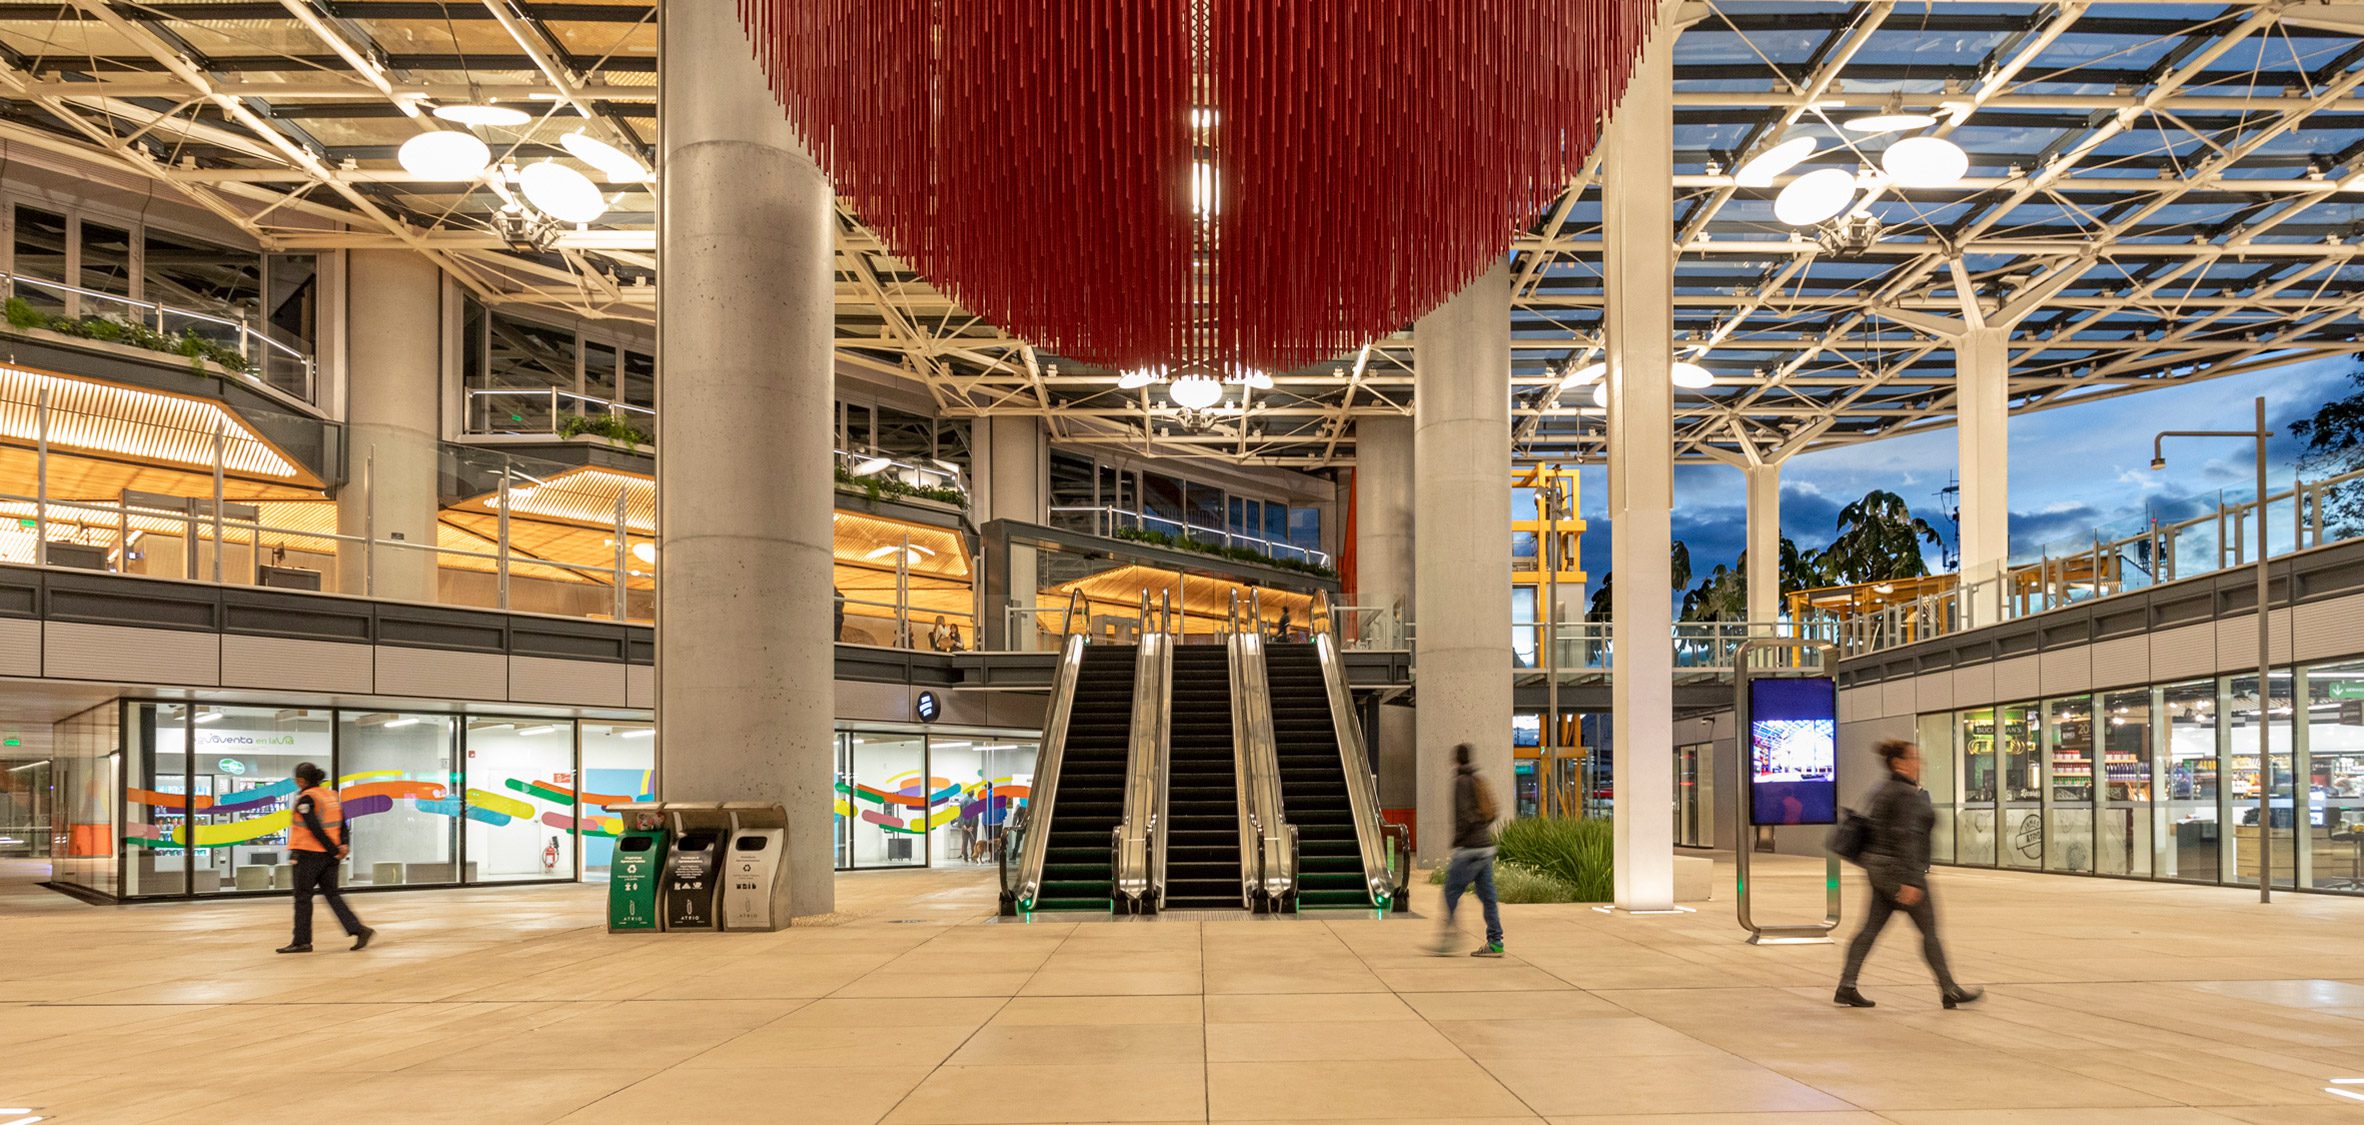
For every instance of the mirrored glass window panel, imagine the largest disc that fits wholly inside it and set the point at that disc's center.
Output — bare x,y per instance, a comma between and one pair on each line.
2335,770
1938,776
1305,529
1974,831
2125,818
1206,513
640,380
888,799
1161,503
221,287
2019,826
521,798
984,778
85,846
40,255
2187,782
157,801
619,767
106,268
244,758
2258,757
529,370
2068,741
599,379
1073,498
400,779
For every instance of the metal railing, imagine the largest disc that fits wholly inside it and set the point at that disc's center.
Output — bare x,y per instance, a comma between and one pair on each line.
271,362
542,412
1584,648
1044,794
1354,758
915,473
2071,574
1105,522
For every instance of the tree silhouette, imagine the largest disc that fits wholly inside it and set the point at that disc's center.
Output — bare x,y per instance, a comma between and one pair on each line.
1879,539
2335,444
1679,572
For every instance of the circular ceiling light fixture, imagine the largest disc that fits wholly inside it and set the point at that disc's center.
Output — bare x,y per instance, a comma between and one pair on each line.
1195,392
562,193
1586,375
1253,378
1814,197
1893,121
1139,377
618,166
1600,394
497,116
1761,170
1925,162
1692,377
445,154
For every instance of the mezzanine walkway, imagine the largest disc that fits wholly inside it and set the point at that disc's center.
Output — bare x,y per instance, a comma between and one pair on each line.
2110,1001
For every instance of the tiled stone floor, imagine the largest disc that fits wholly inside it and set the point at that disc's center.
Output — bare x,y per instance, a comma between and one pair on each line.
2110,1002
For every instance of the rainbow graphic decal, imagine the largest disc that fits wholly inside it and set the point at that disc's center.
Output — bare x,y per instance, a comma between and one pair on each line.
367,794
941,800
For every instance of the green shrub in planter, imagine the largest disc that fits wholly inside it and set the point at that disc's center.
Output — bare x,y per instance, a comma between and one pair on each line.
1580,852
1517,883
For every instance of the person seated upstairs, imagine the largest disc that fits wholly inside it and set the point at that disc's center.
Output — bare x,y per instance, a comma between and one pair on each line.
943,638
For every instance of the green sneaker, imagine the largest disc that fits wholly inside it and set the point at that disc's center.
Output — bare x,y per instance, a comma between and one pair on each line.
1490,949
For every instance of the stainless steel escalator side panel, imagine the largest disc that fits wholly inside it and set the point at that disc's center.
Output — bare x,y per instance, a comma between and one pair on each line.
1042,798
1264,831
1140,852
1362,787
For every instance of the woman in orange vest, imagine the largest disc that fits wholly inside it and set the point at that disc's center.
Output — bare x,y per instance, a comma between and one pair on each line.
317,839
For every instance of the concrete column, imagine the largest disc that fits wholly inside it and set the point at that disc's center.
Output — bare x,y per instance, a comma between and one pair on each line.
1982,380
1383,549
1016,479
393,423
745,698
1638,211
1764,543
1461,557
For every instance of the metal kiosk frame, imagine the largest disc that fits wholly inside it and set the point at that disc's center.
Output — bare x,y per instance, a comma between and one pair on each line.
1743,672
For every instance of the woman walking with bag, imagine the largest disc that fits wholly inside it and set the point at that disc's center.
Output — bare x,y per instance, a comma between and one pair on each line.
1895,855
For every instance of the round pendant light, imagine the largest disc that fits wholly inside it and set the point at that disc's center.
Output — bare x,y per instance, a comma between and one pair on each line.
1600,394
497,116
1925,162
1692,377
1815,196
562,193
1586,375
1136,378
1195,392
1761,171
645,552
1891,122
445,154
1254,378
618,166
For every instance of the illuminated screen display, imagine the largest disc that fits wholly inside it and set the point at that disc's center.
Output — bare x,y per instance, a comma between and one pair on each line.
1793,743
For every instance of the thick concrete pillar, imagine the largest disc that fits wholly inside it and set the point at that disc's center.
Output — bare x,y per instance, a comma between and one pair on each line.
1016,465
1638,213
1982,381
393,423
1461,557
1764,543
744,392
1383,549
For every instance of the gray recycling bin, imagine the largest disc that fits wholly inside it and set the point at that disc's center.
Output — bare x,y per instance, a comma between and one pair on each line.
755,885
693,872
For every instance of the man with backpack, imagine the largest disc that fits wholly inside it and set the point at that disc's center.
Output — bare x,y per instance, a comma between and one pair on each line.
1473,854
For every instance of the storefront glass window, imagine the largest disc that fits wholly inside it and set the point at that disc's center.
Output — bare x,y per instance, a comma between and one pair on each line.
2020,826
983,779
106,267
156,801
2123,829
2290,802
2335,773
1938,776
399,779
888,799
2187,780
1974,832
619,766
2068,823
520,799
245,759
40,248
86,762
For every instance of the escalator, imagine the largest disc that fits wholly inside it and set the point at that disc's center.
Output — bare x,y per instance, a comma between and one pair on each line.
1203,807
1088,797
1329,854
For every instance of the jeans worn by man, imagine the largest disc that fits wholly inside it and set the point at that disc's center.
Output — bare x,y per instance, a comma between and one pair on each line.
1472,866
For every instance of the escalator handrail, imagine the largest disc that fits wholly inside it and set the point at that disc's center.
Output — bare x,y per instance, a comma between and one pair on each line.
1354,759
1264,815
1075,601
1138,875
1042,797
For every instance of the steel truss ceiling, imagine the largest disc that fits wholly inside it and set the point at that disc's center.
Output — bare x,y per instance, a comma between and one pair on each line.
2173,189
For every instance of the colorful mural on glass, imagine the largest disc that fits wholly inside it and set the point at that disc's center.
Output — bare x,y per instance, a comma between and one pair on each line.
936,800
367,794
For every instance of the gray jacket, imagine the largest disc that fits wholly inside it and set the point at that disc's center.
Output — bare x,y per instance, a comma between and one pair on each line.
1900,818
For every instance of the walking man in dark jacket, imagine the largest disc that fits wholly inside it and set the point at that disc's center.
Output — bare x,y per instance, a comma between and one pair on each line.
1473,855
1896,858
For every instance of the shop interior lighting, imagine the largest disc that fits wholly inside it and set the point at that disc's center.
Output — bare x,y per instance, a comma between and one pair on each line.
618,166
640,732
561,192
209,716
915,552
1761,170
1195,392
1815,197
444,154
498,116
537,729
1925,162
402,721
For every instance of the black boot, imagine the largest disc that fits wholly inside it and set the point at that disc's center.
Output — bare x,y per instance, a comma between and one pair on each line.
1852,999
1955,996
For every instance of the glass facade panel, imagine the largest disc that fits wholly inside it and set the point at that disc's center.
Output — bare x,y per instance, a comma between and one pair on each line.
197,276
106,267
398,777
520,799
86,761
245,759
2247,774
2187,777
1974,831
1206,513
888,800
156,801
1941,776
619,766
1161,503
2123,816
40,252
640,380
2068,816
2335,773
2019,840
27,782
982,781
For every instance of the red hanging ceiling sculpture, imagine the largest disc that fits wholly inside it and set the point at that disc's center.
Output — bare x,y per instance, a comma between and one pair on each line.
1205,185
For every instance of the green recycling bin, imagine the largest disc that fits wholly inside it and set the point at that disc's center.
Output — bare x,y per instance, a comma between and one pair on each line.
634,878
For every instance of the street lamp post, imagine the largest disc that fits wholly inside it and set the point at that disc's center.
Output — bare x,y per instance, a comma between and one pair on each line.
2265,652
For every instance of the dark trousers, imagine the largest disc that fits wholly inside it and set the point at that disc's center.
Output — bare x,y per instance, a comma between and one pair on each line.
1473,869
1923,914
316,873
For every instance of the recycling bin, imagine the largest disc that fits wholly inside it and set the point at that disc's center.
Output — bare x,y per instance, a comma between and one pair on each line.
693,880
755,885
634,878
